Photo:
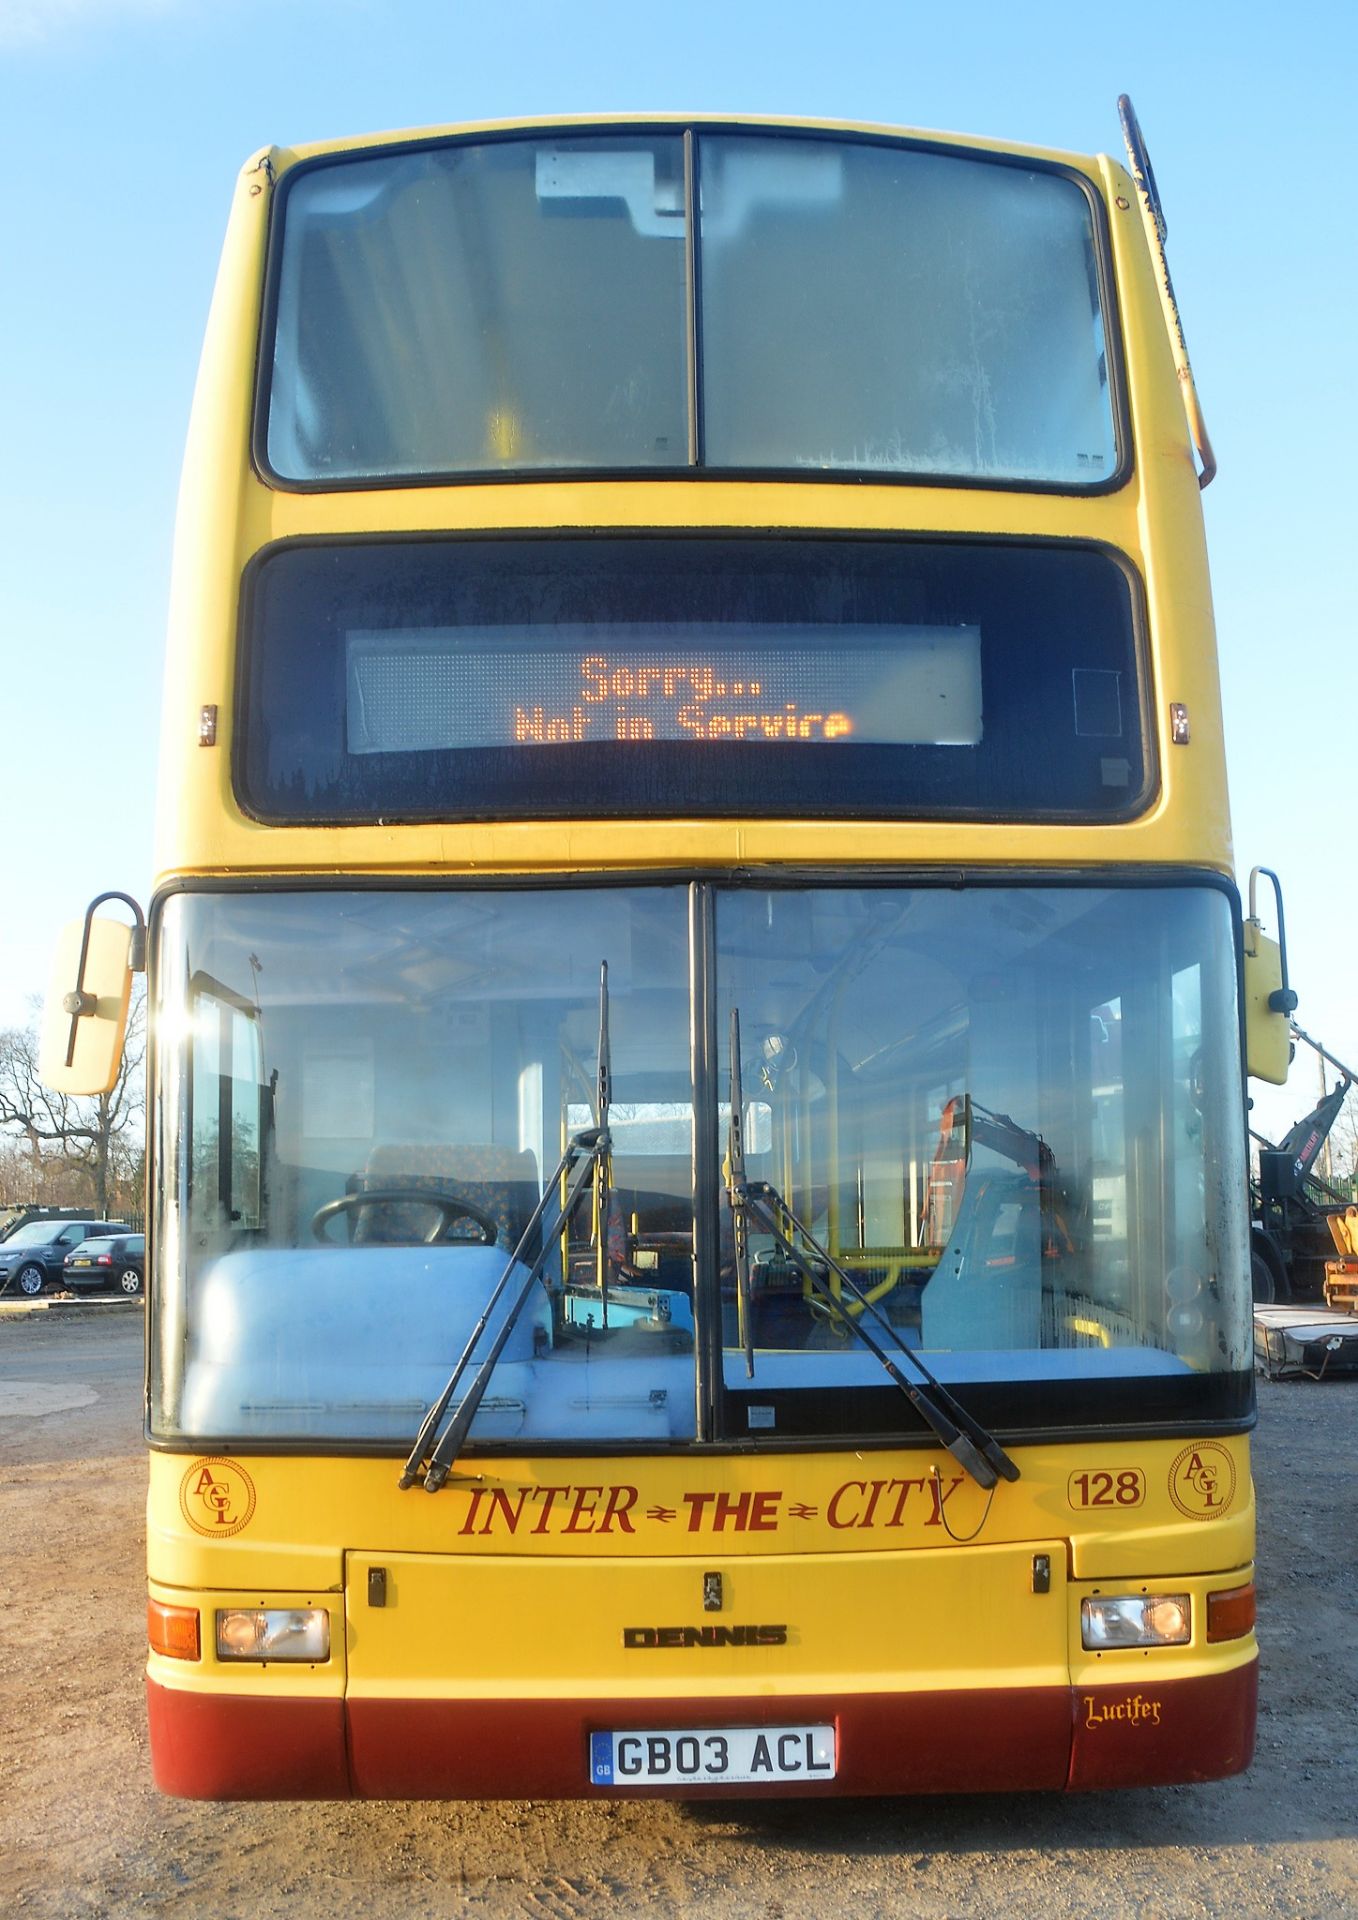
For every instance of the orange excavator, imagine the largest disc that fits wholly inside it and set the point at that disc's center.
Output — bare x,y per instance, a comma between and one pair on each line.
1341,1274
964,1125
1297,1219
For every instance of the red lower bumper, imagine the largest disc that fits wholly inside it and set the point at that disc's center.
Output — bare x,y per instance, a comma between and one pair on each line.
234,1747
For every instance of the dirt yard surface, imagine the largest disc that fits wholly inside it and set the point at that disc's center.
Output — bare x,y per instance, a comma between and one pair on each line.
83,1832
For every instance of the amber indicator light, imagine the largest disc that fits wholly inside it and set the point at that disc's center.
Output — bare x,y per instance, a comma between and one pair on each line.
173,1631
1230,1613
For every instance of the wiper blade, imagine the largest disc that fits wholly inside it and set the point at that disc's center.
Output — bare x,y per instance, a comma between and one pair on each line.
970,1444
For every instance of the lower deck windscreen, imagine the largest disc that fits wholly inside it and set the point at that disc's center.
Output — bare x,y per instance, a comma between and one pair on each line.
1010,1115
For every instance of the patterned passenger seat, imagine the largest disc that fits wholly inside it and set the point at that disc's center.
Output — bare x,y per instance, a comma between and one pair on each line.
501,1181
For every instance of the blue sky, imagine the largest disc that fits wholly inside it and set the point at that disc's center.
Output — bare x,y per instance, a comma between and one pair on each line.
126,121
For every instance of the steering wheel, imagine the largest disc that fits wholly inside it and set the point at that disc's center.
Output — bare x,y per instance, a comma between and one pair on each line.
451,1208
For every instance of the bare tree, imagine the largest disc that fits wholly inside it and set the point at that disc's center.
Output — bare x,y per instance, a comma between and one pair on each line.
1344,1142
76,1151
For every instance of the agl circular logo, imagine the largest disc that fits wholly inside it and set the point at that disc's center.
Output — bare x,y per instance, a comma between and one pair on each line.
217,1498
1202,1481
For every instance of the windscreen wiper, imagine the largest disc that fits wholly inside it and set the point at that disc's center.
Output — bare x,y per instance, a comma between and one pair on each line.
584,1163
970,1444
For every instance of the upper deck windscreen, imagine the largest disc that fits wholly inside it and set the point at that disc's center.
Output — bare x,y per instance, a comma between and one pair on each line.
649,302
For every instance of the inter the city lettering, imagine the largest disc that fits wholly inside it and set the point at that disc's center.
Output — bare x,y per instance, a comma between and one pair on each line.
567,1509
882,1505
865,1504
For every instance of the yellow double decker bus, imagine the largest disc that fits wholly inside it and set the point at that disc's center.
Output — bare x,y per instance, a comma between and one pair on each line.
697,1145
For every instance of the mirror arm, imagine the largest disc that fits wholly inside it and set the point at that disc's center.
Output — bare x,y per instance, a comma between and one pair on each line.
1282,999
81,1004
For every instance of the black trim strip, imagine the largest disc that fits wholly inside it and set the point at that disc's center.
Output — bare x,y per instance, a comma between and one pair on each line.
1014,1439
790,876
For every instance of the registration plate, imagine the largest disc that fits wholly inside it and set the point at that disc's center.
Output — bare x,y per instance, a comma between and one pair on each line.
710,1756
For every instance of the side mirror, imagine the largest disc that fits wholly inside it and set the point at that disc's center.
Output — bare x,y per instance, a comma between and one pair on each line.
1269,1000
85,1017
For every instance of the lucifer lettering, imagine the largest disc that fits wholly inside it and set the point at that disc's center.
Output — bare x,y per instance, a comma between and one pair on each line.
1137,1711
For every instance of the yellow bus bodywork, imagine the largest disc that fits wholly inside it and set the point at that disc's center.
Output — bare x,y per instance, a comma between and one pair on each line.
492,1606
489,1657
228,514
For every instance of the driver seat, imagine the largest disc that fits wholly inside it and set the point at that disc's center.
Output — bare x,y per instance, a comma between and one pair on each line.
501,1181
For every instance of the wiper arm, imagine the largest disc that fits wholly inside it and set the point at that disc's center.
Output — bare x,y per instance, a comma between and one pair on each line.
587,1152
583,1154
970,1444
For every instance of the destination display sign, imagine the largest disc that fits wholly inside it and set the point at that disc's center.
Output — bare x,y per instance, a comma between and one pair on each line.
426,689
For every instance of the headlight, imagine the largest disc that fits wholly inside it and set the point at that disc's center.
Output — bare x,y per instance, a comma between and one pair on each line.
273,1633
1136,1620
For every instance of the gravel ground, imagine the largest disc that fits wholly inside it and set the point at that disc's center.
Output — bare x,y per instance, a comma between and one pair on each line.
82,1831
